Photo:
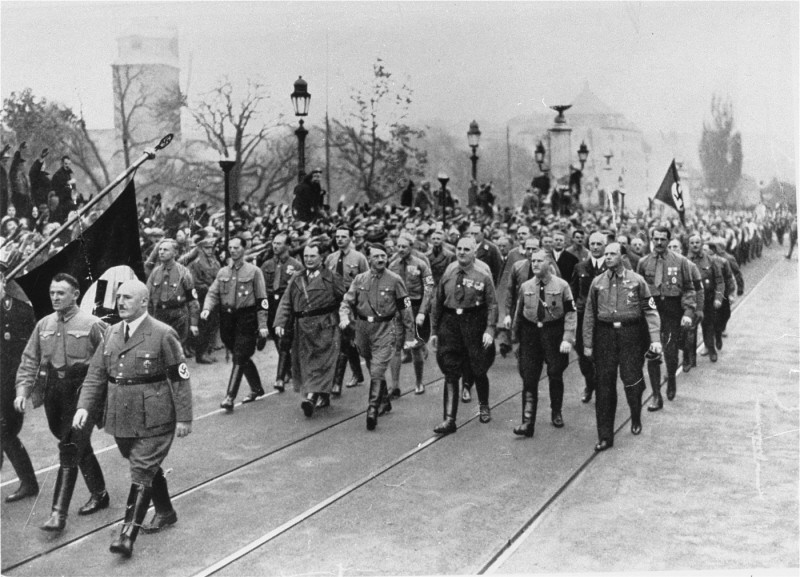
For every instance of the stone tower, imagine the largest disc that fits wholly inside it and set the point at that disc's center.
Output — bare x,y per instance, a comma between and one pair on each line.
145,80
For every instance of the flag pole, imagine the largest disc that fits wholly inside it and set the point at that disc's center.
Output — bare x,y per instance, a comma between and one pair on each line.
148,154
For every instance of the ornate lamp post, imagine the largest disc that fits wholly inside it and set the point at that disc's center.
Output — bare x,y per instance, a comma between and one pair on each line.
539,155
443,180
300,101
226,166
473,138
583,154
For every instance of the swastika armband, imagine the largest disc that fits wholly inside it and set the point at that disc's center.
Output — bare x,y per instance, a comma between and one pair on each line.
569,306
263,304
178,372
403,303
190,295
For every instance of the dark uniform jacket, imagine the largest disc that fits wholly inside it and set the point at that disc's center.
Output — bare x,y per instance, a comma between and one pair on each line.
439,261
172,287
676,281
711,278
490,254
204,270
478,291
623,299
566,262
582,276
558,304
239,287
151,391
277,273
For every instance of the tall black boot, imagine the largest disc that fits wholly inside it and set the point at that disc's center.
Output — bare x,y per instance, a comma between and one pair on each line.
283,371
233,387
338,374
374,400
654,372
634,395
165,515
386,400
528,414
138,502
450,406
28,485
250,372
62,495
671,386
93,475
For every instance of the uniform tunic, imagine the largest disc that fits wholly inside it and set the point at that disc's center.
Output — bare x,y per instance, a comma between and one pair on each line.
713,289
373,300
616,310
540,331
582,276
418,279
310,305
240,291
439,259
17,322
464,308
173,299
146,386
674,295
277,273
204,270
53,366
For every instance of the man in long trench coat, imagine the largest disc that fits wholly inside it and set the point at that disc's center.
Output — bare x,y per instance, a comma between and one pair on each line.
311,302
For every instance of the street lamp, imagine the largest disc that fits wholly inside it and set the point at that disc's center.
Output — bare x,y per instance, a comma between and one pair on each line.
539,155
583,154
443,180
300,101
226,166
473,138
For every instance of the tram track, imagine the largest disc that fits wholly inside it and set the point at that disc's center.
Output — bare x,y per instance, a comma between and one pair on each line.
489,566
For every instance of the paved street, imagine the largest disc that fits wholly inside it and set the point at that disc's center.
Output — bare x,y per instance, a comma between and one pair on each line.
711,484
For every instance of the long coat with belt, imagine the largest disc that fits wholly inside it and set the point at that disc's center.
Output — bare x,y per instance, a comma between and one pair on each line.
316,337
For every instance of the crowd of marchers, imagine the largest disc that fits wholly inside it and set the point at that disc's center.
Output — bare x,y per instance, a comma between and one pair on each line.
388,284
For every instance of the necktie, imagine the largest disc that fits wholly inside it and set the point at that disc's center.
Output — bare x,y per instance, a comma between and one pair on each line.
127,332
659,272
60,354
276,282
540,308
340,265
459,292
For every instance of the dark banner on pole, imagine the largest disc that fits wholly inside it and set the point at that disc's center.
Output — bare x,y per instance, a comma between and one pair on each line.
671,193
112,240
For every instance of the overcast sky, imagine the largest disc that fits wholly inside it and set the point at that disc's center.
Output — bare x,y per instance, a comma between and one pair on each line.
657,62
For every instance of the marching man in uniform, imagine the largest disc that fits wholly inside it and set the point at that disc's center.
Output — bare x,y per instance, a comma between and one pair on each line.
544,325
53,366
372,302
140,374
463,321
240,290
618,303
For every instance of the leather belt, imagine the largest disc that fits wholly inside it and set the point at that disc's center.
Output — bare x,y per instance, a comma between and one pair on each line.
162,306
619,324
541,324
232,310
73,372
467,310
375,318
317,312
137,380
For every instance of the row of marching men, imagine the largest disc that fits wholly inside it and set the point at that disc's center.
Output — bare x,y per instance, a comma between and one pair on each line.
324,315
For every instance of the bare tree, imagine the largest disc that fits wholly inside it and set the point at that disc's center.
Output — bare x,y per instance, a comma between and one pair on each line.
129,103
262,156
375,146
